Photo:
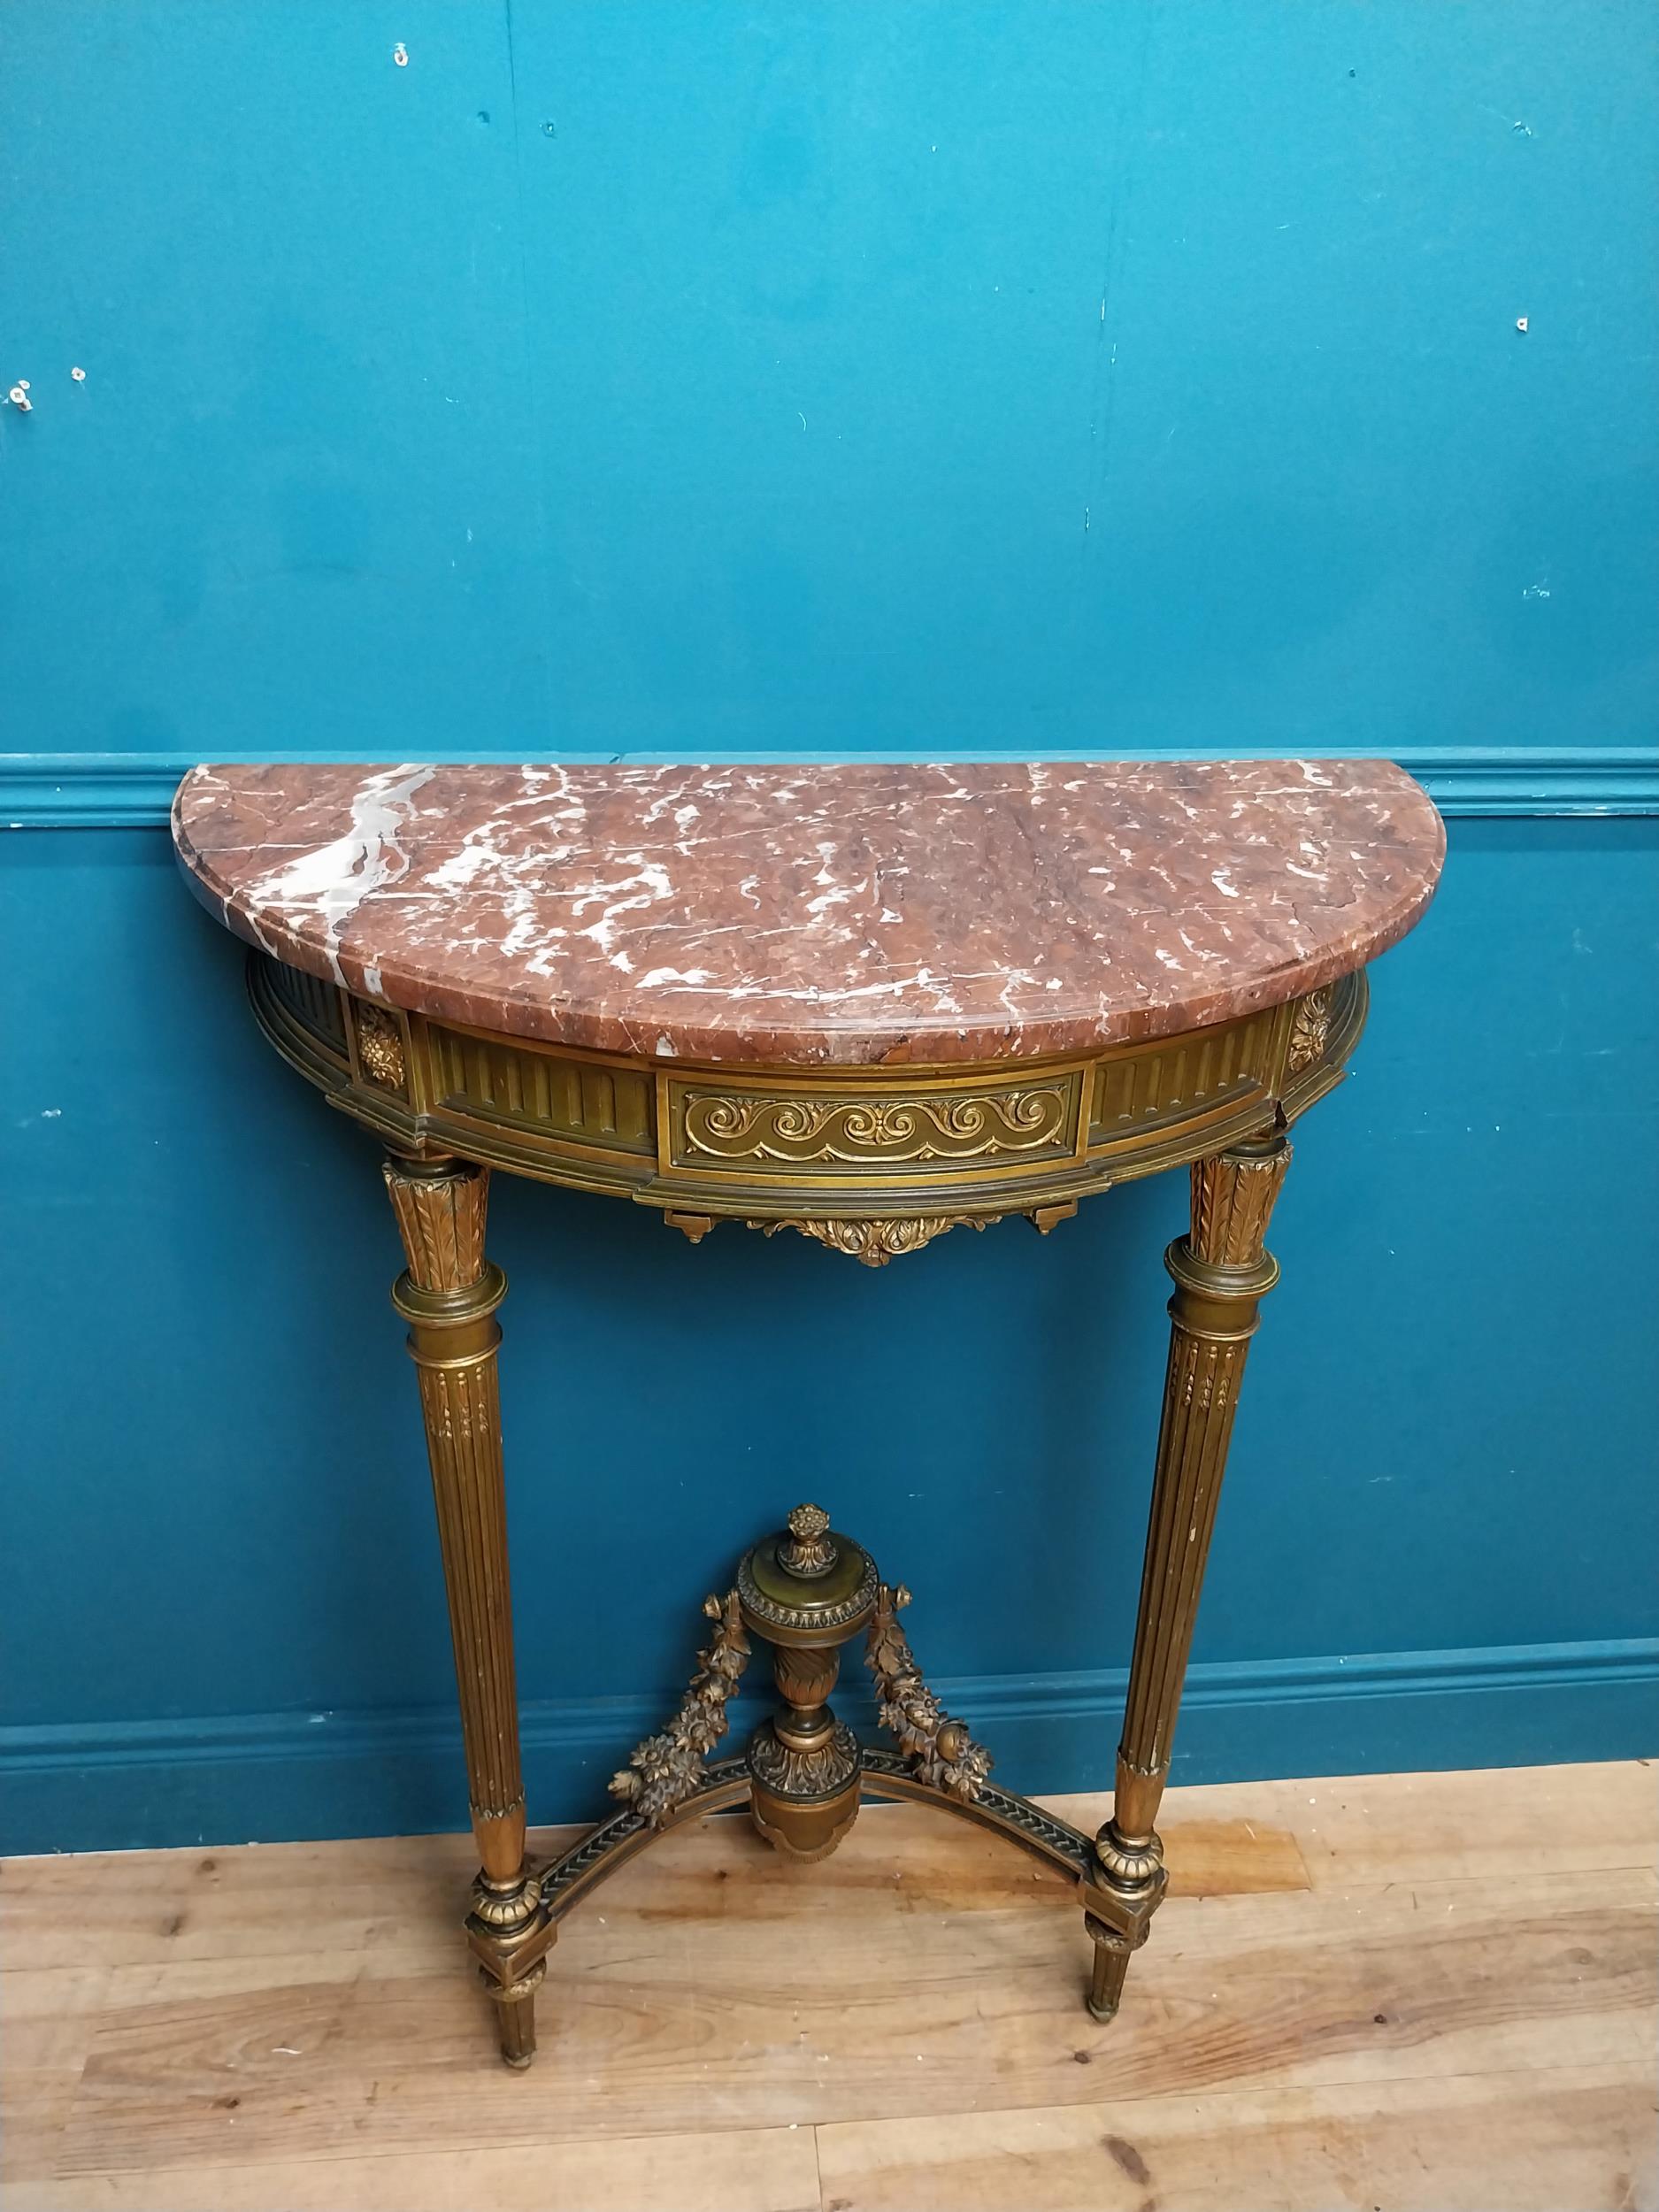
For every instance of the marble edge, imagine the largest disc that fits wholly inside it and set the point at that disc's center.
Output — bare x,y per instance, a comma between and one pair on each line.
845,1045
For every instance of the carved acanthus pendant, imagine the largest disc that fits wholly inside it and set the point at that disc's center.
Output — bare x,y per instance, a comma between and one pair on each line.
876,1243
667,1768
940,1751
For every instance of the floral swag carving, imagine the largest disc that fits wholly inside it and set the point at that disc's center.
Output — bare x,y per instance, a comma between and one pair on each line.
667,1768
940,1751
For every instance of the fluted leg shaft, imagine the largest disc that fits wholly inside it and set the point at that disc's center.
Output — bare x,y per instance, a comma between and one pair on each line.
1222,1271
449,1296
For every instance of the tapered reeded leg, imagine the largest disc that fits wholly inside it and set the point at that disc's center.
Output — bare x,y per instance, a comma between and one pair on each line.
1222,1271
449,1297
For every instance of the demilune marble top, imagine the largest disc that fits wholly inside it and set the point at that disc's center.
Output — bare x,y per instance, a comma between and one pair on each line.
854,914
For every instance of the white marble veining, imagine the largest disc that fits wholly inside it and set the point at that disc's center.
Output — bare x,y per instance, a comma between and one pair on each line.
853,913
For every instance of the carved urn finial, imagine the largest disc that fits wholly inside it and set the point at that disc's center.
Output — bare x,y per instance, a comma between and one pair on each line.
809,1551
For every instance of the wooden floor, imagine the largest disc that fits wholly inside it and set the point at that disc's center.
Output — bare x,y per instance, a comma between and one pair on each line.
1432,1990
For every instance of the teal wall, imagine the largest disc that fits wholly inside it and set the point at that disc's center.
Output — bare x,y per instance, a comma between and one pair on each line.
671,379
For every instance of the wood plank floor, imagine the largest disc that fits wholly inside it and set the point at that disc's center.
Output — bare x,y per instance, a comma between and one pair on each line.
1433,1991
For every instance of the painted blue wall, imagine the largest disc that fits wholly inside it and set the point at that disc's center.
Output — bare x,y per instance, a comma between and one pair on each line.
697,379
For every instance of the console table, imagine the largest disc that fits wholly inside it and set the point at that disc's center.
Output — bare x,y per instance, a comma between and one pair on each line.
866,1003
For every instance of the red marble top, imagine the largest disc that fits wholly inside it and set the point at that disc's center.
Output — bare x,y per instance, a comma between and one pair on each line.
850,914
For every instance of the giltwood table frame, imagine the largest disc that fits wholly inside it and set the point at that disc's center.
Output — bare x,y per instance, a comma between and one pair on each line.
874,1161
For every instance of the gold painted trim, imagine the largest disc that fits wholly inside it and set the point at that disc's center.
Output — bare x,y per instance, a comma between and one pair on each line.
869,1161
764,1129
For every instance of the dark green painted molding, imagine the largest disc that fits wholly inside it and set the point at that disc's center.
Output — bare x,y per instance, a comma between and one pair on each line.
134,790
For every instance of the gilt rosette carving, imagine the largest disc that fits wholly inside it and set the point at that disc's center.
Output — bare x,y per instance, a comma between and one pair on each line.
379,1047
667,1768
940,1751
1310,1027
880,1131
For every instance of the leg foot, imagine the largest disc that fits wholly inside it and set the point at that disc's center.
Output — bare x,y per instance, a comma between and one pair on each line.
515,2014
1111,1964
